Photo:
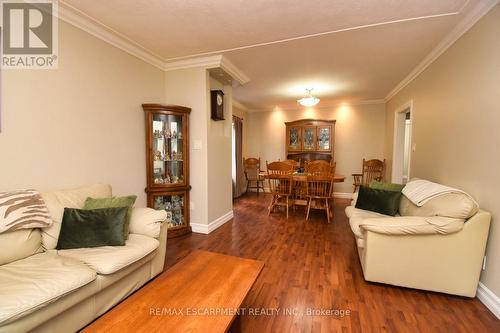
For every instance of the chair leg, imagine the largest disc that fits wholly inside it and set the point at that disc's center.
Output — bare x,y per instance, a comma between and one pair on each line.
271,205
308,209
287,206
327,211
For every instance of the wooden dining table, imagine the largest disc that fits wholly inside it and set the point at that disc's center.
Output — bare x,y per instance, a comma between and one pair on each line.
299,179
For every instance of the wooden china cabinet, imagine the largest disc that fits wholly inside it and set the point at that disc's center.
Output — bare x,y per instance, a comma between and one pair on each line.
310,139
167,164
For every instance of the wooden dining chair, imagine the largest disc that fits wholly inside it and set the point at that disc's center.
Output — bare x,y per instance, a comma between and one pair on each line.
371,170
251,167
320,193
317,166
279,175
295,164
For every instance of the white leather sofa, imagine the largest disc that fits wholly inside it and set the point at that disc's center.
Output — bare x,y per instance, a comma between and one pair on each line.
45,290
437,247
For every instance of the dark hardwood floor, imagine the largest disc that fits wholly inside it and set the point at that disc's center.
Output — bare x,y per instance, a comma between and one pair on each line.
315,265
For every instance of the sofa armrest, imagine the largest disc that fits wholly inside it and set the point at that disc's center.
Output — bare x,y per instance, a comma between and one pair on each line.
147,221
412,225
354,198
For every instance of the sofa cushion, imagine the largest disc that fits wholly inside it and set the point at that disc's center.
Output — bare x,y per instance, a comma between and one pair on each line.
147,221
19,244
31,283
109,259
56,201
411,225
23,209
452,205
113,202
381,201
386,186
352,211
92,227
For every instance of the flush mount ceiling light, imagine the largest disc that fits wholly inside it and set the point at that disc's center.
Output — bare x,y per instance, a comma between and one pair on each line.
309,100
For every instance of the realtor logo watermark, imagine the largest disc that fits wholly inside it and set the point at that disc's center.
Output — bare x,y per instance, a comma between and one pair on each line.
29,34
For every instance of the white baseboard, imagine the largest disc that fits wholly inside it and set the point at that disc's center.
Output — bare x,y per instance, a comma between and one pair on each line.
208,228
342,195
488,298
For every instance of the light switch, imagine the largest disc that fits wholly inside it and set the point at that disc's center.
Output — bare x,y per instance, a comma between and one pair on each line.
196,144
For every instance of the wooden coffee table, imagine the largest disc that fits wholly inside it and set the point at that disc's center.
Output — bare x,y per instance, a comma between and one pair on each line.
202,293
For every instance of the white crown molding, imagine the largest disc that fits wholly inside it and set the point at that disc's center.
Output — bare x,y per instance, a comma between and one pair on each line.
322,105
239,105
463,26
216,61
233,71
489,299
208,62
208,228
84,22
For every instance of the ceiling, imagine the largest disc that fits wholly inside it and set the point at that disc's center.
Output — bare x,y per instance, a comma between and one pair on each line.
348,51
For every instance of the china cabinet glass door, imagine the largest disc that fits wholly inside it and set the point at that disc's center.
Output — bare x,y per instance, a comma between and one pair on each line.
310,138
168,150
294,138
324,138
174,205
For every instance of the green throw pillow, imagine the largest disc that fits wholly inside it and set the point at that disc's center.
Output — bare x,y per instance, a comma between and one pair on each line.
113,202
380,201
386,186
91,228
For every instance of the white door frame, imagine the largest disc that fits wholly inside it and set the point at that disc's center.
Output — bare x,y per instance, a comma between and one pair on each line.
398,154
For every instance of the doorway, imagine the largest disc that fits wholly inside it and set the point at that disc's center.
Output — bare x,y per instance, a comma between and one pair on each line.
401,161
237,158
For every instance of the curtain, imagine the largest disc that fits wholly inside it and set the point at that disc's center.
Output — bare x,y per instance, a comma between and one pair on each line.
239,181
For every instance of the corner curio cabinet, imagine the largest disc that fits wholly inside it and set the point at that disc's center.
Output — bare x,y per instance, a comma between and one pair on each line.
167,164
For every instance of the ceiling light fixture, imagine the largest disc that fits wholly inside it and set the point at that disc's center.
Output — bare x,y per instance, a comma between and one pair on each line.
309,100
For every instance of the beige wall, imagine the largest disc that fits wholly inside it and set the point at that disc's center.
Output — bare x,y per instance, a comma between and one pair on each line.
359,133
220,198
80,124
456,114
188,87
210,166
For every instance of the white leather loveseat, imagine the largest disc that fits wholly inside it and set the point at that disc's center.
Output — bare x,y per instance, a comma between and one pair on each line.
45,290
438,246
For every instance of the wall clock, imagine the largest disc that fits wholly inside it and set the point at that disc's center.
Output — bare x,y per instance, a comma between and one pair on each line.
217,104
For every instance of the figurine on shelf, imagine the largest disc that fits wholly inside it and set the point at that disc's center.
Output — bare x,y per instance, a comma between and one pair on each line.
167,180
179,156
157,180
166,132
175,179
181,179
157,155
174,134
179,135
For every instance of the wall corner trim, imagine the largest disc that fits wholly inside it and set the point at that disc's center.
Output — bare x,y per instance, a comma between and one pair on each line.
489,299
208,228
462,27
